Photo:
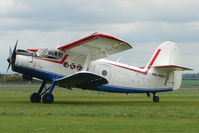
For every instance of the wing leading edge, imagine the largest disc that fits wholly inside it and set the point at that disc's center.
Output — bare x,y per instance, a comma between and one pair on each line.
82,80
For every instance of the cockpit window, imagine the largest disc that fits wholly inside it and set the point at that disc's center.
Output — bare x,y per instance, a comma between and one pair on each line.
48,53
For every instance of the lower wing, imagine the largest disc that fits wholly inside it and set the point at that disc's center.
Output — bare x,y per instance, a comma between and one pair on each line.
82,80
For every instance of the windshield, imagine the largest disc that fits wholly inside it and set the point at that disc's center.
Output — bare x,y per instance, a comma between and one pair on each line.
48,53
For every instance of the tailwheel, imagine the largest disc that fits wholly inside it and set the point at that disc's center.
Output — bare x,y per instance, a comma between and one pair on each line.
35,98
48,98
156,99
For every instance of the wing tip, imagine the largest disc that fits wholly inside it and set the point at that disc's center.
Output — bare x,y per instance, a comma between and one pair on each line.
111,37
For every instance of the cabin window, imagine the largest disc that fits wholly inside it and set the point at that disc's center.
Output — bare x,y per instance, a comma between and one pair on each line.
48,53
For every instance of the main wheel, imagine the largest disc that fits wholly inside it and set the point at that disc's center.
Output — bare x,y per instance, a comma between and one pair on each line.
48,98
156,99
35,98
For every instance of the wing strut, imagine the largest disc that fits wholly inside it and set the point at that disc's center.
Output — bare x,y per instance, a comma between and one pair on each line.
87,62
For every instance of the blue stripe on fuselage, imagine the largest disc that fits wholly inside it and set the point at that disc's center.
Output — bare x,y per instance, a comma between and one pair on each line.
43,75
121,89
48,76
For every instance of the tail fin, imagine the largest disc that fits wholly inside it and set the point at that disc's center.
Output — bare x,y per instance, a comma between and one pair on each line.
167,54
167,59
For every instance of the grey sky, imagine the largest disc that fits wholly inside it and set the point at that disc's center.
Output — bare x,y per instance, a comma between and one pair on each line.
142,23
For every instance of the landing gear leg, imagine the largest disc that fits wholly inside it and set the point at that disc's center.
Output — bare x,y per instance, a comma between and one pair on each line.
48,96
155,98
148,94
36,97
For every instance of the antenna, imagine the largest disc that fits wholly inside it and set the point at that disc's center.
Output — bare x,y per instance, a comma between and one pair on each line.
58,41
118,59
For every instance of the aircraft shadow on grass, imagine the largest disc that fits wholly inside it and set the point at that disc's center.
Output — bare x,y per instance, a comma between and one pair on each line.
141,103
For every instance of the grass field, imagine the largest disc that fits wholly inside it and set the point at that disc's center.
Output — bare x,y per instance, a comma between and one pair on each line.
190,83
81,111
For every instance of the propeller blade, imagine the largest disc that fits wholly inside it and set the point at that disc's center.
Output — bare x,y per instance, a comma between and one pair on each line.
13,57
15,45
4,78
10,52
14,50
8,68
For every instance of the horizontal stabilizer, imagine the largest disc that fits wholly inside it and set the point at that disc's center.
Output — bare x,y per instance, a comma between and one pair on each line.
173,68
82,80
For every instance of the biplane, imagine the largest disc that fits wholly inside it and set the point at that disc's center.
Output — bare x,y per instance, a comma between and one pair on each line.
81,64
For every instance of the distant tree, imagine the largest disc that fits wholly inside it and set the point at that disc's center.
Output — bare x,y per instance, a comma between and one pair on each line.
192,76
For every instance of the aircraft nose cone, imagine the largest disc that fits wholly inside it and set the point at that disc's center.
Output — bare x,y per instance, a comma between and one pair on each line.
8,59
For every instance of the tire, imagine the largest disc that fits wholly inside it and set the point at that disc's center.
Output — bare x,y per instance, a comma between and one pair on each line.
48,98
156,99
35,98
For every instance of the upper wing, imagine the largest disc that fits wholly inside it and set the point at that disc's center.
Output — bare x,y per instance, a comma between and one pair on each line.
82,80
97,45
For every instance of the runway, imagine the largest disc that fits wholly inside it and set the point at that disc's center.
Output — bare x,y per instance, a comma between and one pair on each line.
64,88
29,88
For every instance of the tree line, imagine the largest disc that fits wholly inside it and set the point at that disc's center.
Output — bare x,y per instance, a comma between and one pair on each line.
14,78
190,76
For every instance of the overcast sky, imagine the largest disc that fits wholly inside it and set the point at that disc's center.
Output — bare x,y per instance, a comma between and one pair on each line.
142,23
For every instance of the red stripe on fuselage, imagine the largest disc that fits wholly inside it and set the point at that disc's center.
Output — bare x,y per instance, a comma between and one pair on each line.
138,71
54,61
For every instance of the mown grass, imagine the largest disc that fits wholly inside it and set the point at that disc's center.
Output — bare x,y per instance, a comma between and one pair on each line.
81,111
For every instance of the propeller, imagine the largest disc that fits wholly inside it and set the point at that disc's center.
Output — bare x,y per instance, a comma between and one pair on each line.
11,59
